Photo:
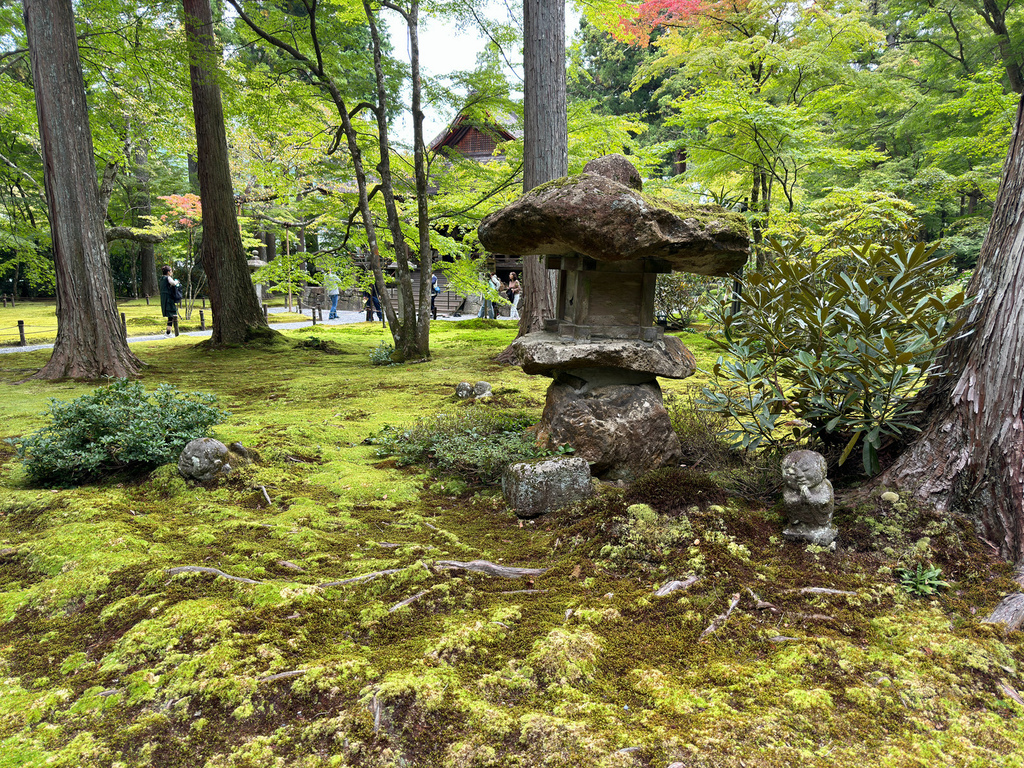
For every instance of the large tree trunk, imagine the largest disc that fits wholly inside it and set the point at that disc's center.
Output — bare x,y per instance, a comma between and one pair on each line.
545,140
90,343
969,458
143,207
994,15
237,316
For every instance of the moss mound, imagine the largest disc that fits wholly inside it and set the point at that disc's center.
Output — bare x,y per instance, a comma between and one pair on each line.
673,490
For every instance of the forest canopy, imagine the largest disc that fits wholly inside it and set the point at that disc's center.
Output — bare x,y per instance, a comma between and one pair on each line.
840,122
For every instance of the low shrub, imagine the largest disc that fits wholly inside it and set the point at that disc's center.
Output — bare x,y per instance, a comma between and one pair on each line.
833,351
381,354
475,444
924,581
114,428
700,432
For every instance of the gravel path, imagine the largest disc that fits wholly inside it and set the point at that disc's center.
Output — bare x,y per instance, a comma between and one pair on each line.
344,317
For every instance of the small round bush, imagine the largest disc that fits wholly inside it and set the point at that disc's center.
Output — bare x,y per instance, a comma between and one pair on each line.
114,428
474,444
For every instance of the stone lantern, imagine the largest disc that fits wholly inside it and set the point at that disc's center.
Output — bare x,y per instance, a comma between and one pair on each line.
254,265
609,242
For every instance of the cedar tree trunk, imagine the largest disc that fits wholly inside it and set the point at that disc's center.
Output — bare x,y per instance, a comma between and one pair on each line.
237,316
545,139
143,207
969,458
90,343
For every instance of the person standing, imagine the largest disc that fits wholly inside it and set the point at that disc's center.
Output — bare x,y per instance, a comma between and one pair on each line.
515,288
488,308
373,304
486,305
435,291
333,287
170,295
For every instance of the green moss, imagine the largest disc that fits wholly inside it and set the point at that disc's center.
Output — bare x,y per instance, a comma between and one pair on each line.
108,660
712,217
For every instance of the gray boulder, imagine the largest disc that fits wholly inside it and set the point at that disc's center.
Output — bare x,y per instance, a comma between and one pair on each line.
533,488
466,390
622,430
205,460
617,168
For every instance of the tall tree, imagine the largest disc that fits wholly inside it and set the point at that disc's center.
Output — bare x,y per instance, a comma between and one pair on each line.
545,136
90,343
326,51
142,209
236,312
969,457
754,80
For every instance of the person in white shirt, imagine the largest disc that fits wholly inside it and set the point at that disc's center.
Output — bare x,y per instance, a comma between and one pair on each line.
515,288
333,287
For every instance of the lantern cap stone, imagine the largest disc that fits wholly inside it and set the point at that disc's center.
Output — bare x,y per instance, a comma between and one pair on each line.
603,214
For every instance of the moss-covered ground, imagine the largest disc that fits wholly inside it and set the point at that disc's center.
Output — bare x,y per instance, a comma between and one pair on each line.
277,655
141,318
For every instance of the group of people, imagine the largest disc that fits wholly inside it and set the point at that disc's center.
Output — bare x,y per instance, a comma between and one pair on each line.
513,290
170,295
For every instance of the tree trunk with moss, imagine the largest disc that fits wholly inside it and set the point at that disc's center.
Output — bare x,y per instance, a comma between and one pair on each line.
90,342
969,457
237,316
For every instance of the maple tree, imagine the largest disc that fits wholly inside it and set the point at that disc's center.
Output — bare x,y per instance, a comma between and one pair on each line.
186,217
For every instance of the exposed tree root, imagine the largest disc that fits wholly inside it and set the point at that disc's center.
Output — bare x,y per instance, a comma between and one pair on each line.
283,675
407,601
1012,692
720,620
491,569
364,577
763,605
1009,612
206,569
672,586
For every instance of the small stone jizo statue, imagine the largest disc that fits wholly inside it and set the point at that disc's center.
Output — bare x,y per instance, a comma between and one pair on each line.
808,498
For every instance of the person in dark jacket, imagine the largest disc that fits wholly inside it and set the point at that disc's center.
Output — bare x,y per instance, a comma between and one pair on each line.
170,295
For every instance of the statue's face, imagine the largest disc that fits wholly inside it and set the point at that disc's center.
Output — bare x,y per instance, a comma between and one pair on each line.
800,472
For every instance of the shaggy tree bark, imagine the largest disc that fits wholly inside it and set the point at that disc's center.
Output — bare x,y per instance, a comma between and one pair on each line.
90,343
969,458
237,316
545,137
143,207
